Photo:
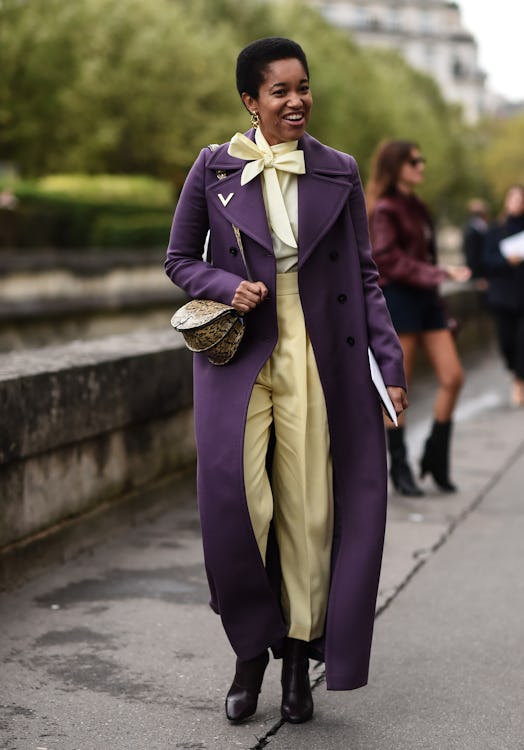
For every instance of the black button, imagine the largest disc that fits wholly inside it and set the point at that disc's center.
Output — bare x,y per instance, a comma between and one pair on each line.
233,251
333,255
342,298
350,340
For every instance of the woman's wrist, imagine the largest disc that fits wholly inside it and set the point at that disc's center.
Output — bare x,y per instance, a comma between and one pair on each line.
457,273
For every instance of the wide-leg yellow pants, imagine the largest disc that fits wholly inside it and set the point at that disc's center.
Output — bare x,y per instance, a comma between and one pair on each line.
288,393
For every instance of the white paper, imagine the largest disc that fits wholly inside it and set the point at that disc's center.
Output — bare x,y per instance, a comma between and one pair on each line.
513,246
376,377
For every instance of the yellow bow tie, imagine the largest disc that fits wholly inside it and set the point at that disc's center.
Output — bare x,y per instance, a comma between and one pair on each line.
262,157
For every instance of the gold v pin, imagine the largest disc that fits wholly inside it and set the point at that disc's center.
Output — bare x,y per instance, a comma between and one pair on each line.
225,201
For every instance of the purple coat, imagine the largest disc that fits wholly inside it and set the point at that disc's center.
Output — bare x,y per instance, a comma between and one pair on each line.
344,311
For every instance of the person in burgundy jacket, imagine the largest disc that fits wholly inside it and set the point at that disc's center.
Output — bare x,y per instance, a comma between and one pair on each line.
404,250
292,555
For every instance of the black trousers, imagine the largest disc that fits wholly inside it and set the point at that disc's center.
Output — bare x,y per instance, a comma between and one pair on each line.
509,325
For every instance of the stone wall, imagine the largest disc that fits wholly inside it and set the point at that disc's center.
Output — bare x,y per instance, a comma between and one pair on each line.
49,298
86,422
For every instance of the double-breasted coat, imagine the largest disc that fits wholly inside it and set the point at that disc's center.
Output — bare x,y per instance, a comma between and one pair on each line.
344,312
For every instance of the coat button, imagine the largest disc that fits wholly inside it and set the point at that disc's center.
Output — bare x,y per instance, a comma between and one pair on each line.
333,255
233,251
350,340
342,298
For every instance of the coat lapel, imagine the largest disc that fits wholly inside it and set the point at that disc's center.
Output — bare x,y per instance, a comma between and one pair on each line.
322,193
245,208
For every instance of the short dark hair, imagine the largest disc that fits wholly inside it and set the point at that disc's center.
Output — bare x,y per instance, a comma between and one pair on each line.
253,60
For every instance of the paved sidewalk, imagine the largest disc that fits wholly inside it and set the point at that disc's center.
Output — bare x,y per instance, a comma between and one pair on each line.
117,648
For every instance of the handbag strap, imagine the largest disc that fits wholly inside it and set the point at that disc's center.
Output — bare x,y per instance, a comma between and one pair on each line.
220,175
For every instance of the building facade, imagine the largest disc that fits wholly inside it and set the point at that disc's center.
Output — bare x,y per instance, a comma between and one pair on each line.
430,36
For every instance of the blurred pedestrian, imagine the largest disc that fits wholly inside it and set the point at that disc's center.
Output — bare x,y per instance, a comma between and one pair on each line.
504,268
293,554
473,236
404,249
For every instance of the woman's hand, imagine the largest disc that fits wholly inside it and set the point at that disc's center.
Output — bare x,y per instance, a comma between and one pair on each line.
399,398
514,260
248,295
458,273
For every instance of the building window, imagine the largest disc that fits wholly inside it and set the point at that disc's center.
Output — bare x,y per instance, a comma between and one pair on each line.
458,69
361,17
426,21
428,54
393,19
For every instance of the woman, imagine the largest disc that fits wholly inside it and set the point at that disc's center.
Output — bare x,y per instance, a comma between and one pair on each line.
292,560
404,250
504,269
473,237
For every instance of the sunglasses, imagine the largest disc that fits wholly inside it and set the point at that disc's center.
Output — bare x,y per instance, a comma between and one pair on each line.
416,160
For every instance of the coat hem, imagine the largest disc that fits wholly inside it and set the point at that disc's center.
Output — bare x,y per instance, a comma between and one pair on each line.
341,684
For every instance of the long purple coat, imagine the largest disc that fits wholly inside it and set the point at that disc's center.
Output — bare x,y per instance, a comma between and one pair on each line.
344,311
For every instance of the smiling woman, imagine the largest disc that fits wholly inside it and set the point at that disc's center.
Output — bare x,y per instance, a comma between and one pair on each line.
283,102
291,456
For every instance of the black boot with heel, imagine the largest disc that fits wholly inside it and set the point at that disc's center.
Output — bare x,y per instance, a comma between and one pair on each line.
399,469
297,700
242,698
435,460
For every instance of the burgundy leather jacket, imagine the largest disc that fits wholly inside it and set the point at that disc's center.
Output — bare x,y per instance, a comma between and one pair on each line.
403,242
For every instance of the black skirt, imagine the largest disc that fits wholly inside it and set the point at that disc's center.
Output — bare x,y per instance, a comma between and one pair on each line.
414,310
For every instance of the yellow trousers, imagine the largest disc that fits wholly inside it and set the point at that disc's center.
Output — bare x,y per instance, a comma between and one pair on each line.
288,394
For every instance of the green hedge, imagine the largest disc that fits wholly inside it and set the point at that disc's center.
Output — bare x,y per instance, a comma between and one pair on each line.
135,230
92,211
128,190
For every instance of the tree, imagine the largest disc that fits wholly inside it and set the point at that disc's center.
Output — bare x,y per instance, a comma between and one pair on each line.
142,85
503,155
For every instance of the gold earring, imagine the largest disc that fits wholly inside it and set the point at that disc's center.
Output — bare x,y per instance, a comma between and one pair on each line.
255,119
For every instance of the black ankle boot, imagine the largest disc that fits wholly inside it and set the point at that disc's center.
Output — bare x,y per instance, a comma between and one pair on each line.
242,698
435,460
297,701
399,470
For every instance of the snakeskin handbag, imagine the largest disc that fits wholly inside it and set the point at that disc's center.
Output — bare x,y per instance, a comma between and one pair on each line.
210,327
